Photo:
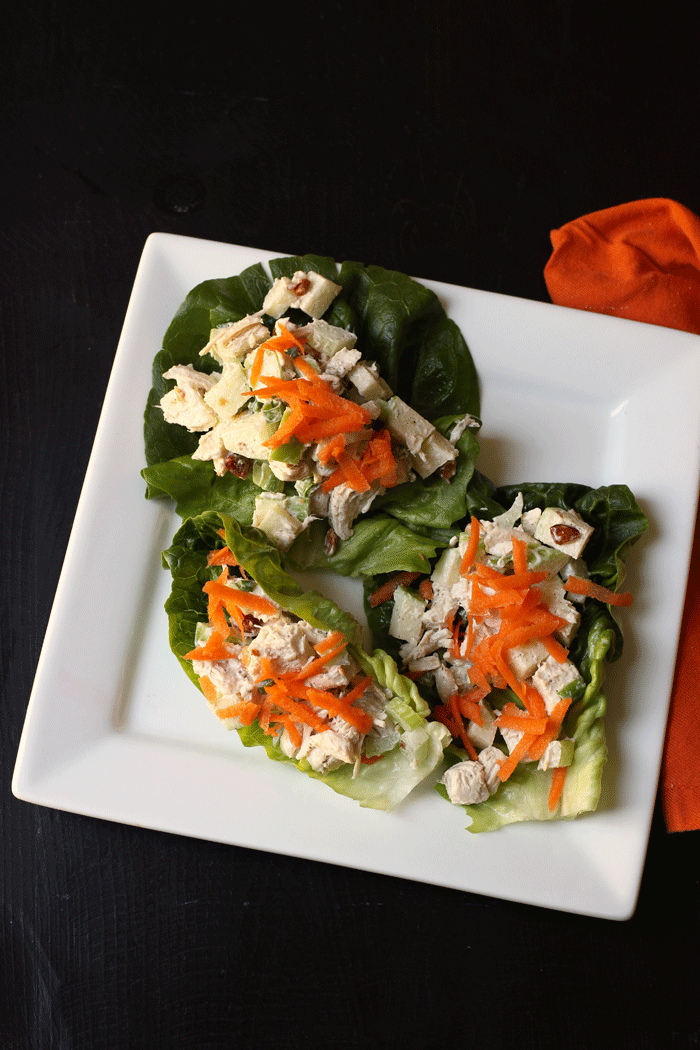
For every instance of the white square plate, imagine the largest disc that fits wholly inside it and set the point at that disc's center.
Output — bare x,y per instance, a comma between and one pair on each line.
115,730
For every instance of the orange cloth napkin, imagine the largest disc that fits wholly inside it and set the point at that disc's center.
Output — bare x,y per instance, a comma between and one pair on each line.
642,261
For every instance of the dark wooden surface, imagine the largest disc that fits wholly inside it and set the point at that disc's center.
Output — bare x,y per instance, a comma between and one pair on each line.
444,140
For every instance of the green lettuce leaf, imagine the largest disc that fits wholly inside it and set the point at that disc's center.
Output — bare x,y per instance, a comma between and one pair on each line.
380,785
378,545
619,523
525,794
399,323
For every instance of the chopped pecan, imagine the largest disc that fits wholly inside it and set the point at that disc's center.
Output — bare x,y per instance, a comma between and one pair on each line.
330,544
250,623
564,533
301,287
447,470
241,466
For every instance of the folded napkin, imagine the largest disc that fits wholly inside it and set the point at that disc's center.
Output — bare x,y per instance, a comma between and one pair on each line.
642,261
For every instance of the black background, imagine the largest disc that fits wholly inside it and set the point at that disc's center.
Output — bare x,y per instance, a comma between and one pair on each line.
442,139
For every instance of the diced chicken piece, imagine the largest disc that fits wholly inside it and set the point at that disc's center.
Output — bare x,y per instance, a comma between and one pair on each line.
333,676
429,642
563,529
309,292
346,504
443,606
435,452
492,759
459,669
230,680
318,503
290,471
468,422
466,783
373,701
185,404
554,597
407,616
551,677
407,426
512,738
426,663
340,743
287,745
230,394
233,341
498,540
558,753
284,642
326,339
211,447
484,735
367,381
524,660
529,520
341,363
445,683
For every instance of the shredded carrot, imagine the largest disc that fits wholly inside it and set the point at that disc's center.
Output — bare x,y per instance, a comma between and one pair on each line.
222,556
453,703
472,547
256,368
519,751
555,650
558,778
516,581
328,451
551,732
333,639
594,590
521,721
377,463
216,648
533,701
386,590
245,711
456,630
316,665
245,600
519,555
342,706
207,688
317,411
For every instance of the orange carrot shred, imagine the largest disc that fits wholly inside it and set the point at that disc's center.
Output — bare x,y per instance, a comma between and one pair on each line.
384,592
558,778
594,590
207,688
472,547
555,650
519,555
333,639
257,364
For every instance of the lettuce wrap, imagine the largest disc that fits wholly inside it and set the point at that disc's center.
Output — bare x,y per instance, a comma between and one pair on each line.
438,631
274,693
419,352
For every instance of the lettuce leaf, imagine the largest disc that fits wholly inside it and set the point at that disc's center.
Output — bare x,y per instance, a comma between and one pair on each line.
380,785
398,322
619,523
525,794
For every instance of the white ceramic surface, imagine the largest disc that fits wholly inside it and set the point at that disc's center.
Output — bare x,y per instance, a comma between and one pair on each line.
115,730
